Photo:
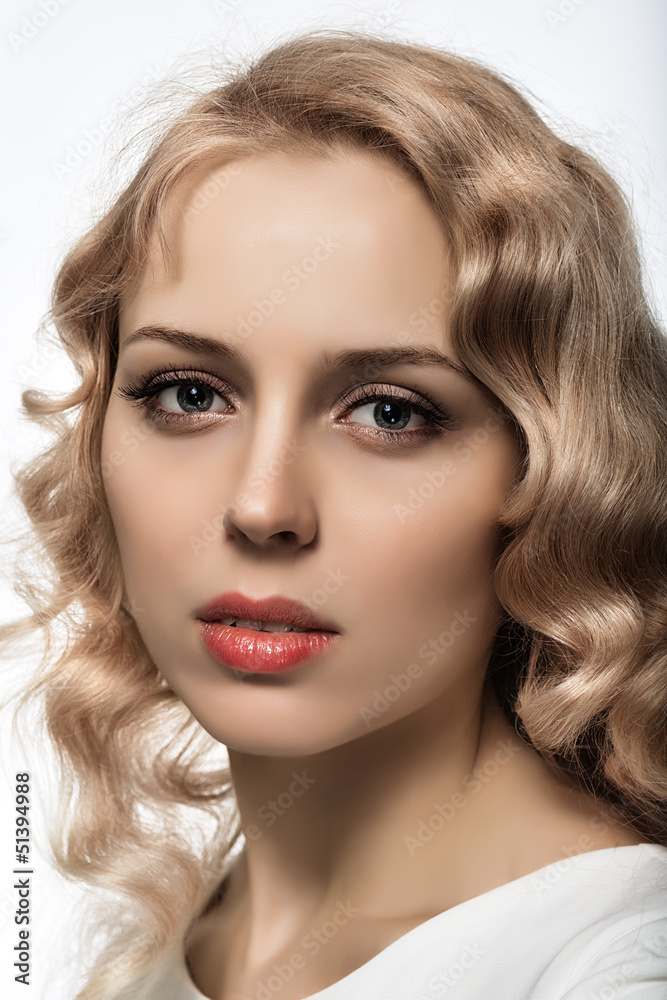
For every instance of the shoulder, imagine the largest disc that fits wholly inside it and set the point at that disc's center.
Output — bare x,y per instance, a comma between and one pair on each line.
589,927
171,979
620,950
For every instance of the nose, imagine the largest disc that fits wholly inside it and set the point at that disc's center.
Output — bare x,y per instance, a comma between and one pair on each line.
272,506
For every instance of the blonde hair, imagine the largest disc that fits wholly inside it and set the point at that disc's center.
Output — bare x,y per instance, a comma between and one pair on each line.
547,310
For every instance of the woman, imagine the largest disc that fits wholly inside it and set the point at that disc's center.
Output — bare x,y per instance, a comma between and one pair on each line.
364,354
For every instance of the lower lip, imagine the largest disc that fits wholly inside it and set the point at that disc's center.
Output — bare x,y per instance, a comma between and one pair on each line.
262,652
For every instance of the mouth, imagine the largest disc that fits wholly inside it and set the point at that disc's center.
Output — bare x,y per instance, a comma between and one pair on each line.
266,614
259,626
269,635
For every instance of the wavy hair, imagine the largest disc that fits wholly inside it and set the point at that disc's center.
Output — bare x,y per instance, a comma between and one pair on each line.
547,310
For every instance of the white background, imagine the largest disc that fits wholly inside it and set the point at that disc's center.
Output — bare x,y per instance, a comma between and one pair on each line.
597,68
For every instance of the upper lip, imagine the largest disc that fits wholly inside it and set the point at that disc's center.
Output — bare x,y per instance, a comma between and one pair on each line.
267,609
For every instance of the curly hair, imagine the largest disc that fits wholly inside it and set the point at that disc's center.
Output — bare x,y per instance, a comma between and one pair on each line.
547,310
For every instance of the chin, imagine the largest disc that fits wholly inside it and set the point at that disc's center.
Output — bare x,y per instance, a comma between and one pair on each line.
262,740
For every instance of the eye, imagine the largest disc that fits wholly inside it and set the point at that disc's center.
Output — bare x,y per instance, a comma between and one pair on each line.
401,416
396,414
389,414
191,397
172,397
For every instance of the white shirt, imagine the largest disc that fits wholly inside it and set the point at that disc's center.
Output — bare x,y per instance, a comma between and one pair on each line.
590,927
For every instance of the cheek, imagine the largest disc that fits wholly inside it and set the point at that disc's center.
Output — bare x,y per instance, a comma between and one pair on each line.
422,579
437,534
155,514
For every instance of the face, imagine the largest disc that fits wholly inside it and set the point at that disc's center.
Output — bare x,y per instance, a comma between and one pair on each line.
256,459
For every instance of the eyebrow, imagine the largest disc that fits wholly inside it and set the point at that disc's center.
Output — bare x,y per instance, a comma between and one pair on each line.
353,359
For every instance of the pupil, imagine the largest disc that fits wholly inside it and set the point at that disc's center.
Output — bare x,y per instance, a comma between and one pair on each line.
193,397
387,412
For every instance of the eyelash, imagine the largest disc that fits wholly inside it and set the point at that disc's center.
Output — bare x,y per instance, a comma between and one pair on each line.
145,388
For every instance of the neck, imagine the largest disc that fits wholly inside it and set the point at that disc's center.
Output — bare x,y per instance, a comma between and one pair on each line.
363,821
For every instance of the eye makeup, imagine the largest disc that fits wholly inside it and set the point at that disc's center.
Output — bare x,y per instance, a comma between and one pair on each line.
191,382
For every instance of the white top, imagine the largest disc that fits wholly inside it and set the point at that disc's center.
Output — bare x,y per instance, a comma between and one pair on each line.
590,927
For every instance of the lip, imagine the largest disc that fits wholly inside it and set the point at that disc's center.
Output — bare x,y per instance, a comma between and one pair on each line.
267,609
254,651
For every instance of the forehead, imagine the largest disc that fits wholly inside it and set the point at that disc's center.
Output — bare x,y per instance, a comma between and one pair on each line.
349,217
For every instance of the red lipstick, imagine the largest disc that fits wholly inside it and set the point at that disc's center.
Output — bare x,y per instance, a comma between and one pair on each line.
248,646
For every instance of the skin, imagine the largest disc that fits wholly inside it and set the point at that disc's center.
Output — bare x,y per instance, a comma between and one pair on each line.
330,513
